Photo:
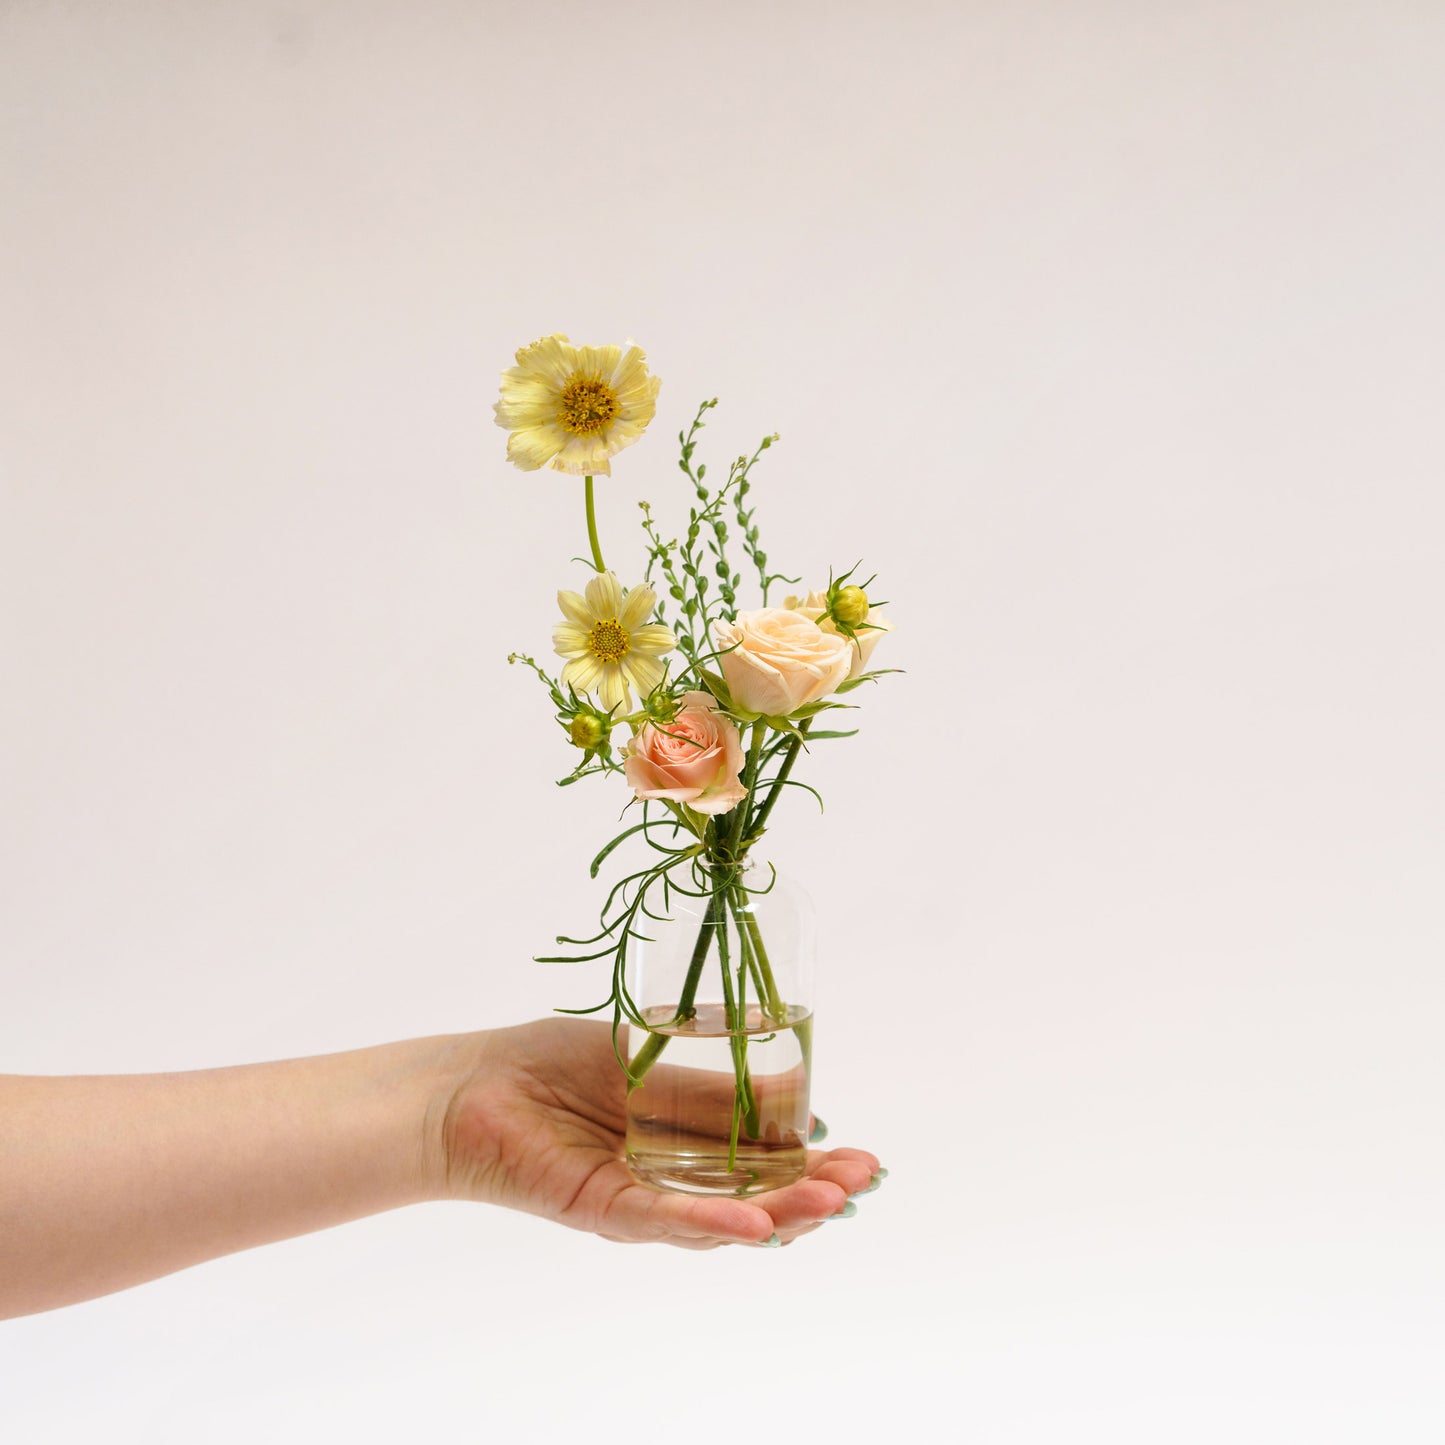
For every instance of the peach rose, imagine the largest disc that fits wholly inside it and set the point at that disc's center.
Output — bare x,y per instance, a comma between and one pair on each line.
815,605
775,660
694,759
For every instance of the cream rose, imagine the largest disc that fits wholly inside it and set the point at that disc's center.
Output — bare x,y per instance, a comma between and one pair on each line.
775,660
815,605
694,759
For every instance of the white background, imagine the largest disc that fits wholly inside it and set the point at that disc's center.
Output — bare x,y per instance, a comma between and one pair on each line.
1109,334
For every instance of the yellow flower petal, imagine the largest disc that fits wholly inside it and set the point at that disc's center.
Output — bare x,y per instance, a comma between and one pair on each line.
530,401
533,447
575,608
599,360
582,673
637,607
652,639
587,455
635,389
604,596
644,673
553,357
570,640
612,692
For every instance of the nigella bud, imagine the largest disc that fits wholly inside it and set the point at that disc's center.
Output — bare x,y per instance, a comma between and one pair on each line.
851,606
586,730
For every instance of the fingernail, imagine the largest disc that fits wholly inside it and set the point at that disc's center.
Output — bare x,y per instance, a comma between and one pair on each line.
772,1242
868,1188
846,1212
820,1131
881,1174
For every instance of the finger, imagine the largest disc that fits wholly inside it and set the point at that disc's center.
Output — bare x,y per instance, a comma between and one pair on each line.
817,1158
808,1202
853,1176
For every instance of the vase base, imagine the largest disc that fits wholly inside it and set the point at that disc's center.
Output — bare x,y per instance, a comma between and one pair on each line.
707,1172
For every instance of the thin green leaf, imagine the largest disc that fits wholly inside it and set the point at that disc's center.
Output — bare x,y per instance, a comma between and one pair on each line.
794,783
866,677
576,958
623,836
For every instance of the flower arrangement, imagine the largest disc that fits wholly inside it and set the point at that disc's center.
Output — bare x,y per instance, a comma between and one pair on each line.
713,705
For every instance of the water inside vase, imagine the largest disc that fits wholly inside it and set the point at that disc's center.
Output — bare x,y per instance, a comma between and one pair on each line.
680,1119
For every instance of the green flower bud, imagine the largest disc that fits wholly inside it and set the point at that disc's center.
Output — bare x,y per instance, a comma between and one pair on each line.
587,730
660,706
851,606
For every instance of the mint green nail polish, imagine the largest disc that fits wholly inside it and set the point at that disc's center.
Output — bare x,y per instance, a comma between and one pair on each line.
772,1242
820,1131
847,1212
868,1188
882,1173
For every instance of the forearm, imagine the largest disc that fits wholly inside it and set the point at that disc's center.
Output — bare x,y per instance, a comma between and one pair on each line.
109,1181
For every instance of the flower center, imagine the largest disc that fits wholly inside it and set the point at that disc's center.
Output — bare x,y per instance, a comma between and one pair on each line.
587,404
609,641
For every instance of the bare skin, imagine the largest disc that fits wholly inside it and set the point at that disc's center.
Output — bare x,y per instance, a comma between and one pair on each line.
106,1182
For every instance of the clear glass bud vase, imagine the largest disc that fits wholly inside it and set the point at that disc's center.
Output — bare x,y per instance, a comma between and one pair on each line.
721,1069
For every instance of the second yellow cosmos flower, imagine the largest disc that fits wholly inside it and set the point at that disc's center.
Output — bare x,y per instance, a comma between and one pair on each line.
610,645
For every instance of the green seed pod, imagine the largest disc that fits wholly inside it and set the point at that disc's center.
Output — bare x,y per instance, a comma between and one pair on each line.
587,730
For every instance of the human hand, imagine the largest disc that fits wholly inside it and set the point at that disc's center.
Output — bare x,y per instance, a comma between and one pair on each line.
536,1122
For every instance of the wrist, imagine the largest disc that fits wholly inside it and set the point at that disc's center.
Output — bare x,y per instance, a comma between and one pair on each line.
447,1069
372,1137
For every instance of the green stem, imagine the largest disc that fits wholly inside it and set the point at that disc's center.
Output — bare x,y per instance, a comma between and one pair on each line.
751,1122
645,1058
737,1043
737,902
592,528
803,1032
648,1054
725,878
777,1009
715,922
739,832
760,820
710,922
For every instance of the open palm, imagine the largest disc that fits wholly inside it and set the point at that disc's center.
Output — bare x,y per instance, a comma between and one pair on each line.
538,1125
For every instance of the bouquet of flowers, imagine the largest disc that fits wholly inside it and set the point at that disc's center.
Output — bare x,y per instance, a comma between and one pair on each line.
702,710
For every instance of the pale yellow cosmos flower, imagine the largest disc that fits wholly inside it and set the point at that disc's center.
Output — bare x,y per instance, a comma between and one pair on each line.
573,408
611,646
